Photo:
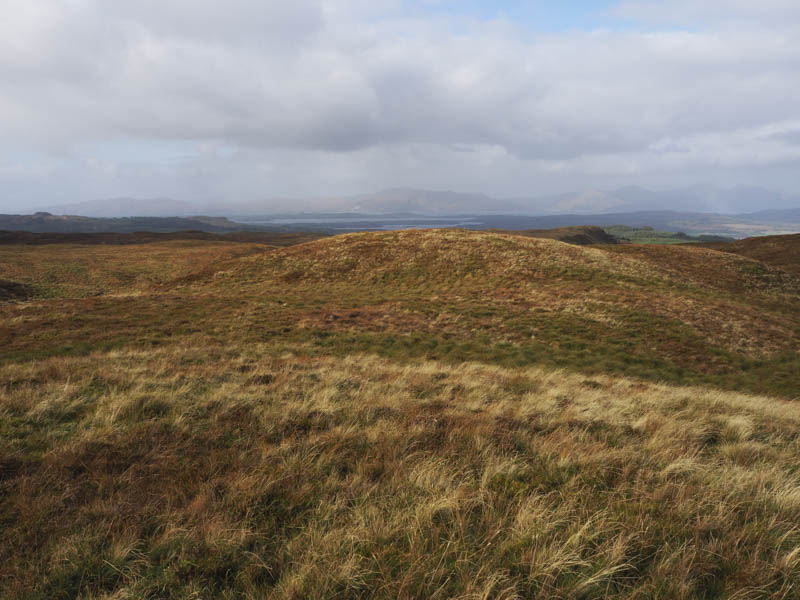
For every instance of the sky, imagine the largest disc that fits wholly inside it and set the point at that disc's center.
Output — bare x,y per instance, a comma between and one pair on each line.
244,100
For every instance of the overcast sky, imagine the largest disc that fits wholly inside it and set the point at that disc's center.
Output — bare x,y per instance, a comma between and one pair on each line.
236,100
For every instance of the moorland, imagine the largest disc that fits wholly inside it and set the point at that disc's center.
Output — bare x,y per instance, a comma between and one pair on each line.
406,414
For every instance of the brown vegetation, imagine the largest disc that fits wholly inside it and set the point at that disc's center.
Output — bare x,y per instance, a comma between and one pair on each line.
417,414
782,251
233,472
582,235
12,290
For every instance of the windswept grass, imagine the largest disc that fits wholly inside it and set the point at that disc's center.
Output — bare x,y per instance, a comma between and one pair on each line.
230,473
439,414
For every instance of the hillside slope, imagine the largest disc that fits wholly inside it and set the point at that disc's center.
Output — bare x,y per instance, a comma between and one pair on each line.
411,414
782,251
74,270
688,315
582,235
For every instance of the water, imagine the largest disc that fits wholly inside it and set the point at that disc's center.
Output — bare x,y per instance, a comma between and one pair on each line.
379,223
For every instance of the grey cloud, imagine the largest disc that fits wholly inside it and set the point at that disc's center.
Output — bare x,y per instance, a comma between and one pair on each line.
198,77
765,12
351,88
791,137
280,27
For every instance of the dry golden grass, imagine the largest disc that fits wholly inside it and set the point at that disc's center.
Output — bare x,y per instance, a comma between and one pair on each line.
77,271
231,473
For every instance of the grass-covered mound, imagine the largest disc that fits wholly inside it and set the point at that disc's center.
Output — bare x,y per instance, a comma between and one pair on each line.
680,314
781,251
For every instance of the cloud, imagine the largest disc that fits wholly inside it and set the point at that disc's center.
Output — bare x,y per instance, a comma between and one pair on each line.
788,135
343,80
766,13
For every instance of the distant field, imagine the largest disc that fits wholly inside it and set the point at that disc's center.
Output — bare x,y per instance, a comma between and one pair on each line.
411,414
648,235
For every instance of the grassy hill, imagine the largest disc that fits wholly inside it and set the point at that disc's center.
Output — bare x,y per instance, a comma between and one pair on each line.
412,414
781,251
648,235
583,235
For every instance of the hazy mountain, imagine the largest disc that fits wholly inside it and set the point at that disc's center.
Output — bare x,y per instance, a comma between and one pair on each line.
584,202
391,201
702,198
697,199
427,202
788,215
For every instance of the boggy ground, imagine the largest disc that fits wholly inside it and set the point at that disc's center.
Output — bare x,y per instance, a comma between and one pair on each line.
438,414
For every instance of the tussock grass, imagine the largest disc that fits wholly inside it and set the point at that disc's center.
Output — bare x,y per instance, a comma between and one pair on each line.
235,472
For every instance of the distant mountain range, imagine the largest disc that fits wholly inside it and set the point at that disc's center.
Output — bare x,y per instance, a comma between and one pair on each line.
427,202
736,226
393,201
703,209
696,199
699,198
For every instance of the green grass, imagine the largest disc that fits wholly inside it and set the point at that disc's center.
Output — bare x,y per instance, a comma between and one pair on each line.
648,235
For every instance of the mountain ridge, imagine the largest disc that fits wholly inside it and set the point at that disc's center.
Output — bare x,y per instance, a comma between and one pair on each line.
736,226
703,198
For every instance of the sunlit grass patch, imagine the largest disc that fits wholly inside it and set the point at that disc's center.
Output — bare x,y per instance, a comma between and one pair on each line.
170,472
